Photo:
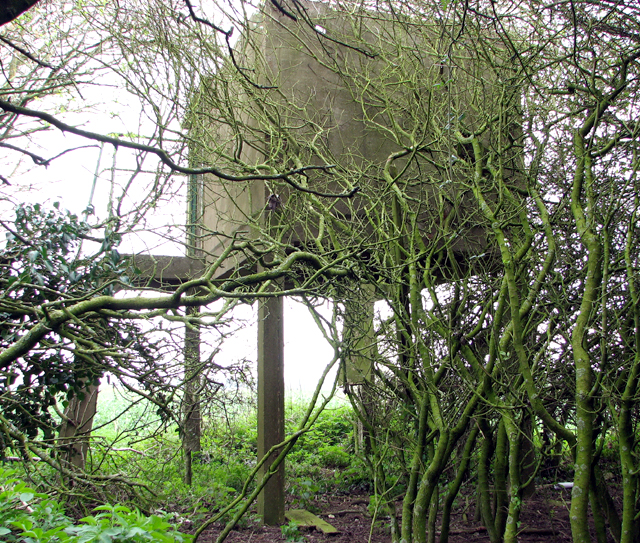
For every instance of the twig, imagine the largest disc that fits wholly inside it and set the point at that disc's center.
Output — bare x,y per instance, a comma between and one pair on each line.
344,512
20,459
26,53
165,159
16,235
36,158
129,449
227,36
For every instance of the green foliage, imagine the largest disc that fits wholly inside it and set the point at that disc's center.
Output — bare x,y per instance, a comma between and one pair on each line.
355,477
334,428
44,263
29,517
219,471
374,505
161,467
305,491
333,456
323,459
291,532
119,523
20,504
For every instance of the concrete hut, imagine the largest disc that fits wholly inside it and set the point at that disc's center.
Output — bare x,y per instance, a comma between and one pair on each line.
391,102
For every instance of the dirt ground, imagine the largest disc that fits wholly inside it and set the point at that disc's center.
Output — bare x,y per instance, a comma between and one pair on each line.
544,518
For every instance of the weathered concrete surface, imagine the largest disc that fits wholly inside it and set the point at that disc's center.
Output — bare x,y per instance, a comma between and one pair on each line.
325,102
165,271
271,404
306,519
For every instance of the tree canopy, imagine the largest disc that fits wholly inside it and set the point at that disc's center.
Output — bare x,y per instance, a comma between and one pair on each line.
472,164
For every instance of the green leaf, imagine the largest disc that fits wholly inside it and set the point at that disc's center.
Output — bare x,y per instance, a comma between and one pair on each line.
134,532
24,524
26,497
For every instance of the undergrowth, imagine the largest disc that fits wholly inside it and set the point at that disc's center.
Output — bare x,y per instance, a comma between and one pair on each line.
323,461
29,516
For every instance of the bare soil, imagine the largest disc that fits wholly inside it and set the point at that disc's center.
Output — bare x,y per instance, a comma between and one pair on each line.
544,518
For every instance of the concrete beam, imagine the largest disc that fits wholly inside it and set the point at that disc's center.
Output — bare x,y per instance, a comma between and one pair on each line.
165,271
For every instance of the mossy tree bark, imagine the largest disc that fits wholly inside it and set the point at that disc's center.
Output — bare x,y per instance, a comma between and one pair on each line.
75,431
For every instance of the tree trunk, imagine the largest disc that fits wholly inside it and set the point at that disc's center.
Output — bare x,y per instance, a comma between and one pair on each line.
76,428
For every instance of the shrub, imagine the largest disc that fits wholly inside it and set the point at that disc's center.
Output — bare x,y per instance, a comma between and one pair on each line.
291,533
21,504
27,516
334,456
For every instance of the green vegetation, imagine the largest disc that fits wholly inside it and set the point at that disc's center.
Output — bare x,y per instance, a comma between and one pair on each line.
291,533
461,178
227,457
28,516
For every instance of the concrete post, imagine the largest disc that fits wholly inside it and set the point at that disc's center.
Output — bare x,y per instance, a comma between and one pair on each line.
359,335
191,404
271,404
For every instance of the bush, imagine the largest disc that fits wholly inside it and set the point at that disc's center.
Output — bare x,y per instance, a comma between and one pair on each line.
334,428
29,517
291,533
334,457
20,504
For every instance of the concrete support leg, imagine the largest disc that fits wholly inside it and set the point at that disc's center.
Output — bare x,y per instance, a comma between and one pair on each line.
191,404
271,404
360,338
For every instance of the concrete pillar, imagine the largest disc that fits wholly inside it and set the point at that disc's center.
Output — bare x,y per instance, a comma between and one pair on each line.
191,404
359,335
271,404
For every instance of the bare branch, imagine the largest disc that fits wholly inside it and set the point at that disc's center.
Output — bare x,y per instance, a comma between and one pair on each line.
26,53
164,157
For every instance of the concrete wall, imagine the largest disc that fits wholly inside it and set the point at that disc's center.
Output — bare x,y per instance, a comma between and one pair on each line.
380,87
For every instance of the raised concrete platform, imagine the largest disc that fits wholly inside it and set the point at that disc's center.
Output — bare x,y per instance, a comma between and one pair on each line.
165,272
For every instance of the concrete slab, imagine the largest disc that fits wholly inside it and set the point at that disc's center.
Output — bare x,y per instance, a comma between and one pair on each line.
303,518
